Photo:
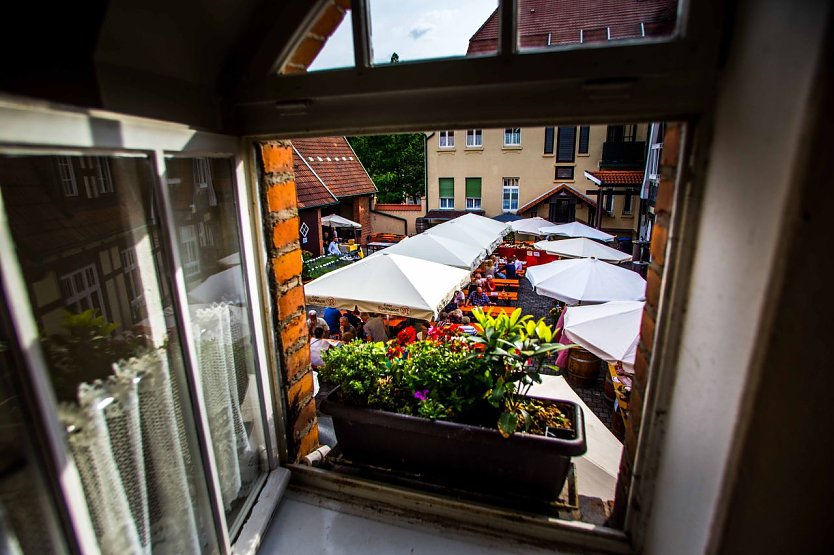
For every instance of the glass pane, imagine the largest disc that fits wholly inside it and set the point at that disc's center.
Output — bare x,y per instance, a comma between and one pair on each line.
28,521
548,25
334,25
405,31
114,358
202,194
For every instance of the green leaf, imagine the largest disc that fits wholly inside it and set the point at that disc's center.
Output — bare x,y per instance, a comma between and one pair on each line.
507,424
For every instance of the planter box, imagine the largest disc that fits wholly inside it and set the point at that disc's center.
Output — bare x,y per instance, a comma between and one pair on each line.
460,455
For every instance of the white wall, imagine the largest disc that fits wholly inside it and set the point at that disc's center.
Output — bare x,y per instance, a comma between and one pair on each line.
759,121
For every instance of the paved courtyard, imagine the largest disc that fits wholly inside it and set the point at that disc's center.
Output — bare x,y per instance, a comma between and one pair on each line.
539,307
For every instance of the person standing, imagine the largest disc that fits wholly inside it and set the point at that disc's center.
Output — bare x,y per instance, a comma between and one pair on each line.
375,328
333,247
314,321
332,316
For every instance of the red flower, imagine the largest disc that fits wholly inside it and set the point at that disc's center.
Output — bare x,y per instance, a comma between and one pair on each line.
406,336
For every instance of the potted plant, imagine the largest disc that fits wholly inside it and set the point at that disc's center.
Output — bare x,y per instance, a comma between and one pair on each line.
453,408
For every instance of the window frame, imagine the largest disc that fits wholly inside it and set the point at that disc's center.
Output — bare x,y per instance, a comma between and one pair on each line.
445,203
447,137
557,177
45,130
513,133
511,184
559,144
477,136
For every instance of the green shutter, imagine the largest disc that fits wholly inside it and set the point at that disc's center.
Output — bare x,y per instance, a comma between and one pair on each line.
473,187
447,187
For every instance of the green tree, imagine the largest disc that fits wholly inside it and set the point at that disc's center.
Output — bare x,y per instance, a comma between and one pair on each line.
396,163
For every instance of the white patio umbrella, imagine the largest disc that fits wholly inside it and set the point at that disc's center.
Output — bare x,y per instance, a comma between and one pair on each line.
440,249
461,231
582,247
390,284
609,330
586,280
577,229
334,220
501,228
530,226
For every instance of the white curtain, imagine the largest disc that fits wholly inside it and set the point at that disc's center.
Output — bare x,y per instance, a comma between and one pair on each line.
217,339
126,437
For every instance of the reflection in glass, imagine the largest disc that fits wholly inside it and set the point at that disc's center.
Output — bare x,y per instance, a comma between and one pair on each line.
559,23
28,523
337,51
87,239
202,194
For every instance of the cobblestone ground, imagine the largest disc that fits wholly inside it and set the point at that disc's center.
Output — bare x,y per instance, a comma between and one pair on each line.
539,307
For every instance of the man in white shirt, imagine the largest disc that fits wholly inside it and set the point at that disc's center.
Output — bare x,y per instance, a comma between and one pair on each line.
318,344
333,247
375,328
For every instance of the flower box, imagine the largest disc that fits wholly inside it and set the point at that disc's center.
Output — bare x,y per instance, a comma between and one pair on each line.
460,455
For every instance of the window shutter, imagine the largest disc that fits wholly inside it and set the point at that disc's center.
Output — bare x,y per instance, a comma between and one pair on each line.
584,138
548,140
567,144
473,187
447,187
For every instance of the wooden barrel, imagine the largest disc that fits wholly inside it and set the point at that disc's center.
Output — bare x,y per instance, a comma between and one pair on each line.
583,368
608,389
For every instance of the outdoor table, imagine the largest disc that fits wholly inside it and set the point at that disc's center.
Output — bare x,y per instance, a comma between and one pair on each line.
502,296
501,282
492,310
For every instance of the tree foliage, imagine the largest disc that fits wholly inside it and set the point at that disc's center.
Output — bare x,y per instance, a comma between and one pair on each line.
395,163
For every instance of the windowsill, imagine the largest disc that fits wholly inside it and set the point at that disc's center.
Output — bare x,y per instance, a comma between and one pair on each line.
446,149
546,155
583,155
474,149
511,147
564,180
629,216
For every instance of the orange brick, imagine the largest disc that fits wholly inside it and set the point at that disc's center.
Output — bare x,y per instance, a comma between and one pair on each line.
653,281
276,157
327,22
641,368
665,196
301,389
660,236
308,443
287,266
306,417
296,363
285,232
293,331
290,302
281,196
647,329
671,144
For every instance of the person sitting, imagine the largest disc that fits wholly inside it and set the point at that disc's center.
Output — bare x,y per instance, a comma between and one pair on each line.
347,337
442,319
478,298
333,247
478,280
314,321
456,317
346,327
489,285
332,317
318,344
519,265
375,328
510,269
458,298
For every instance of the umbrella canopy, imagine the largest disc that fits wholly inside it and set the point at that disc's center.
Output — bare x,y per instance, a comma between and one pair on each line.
334,220
440,249
507,217
610,330
531,226
586,280
577,229
582,248
461,231
500,228
390,284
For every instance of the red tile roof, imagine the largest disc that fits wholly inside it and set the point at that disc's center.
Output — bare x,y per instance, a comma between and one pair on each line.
450,214
311,191
398,207
616,177
335,163
556,190
558,22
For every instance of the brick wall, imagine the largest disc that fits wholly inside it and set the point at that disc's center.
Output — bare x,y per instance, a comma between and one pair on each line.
362,215
281,224
659,246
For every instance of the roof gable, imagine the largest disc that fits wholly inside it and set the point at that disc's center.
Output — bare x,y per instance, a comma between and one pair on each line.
311,190
334,162
555,191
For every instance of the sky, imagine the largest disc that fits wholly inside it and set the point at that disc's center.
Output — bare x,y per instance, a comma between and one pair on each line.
414,29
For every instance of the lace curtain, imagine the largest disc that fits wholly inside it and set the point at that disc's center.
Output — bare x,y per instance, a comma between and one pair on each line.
127,437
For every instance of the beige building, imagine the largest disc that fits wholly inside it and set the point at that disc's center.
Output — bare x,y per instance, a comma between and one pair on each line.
536,171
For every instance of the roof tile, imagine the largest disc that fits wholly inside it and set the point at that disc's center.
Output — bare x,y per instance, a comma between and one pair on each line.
618,177
335,163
